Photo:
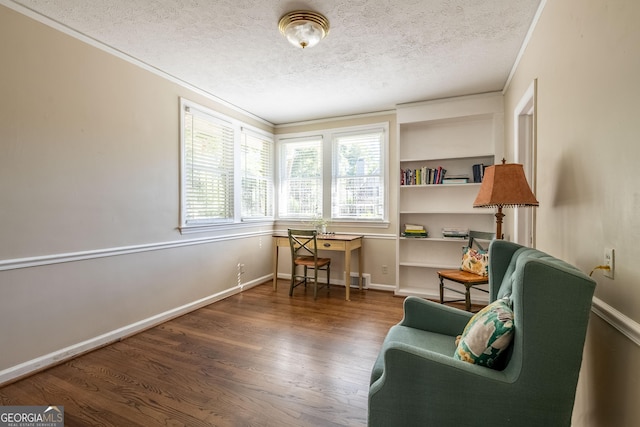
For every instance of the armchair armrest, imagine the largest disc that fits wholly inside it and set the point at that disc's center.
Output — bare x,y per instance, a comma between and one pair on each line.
422,387
406,359
430,316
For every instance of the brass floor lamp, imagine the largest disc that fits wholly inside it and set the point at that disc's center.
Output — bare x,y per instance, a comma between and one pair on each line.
504,185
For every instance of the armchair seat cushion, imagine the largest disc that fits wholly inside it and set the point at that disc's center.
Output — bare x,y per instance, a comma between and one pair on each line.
435,342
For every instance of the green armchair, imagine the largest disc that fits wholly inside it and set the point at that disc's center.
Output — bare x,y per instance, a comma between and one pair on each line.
417,382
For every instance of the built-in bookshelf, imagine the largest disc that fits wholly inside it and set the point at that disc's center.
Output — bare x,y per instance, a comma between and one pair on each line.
457,138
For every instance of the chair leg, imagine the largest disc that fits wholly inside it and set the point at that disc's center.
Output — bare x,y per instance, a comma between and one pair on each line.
315,283
305,277
328,278
293,279
467,298
441,291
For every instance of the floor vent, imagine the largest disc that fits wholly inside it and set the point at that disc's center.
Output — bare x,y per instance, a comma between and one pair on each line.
366,280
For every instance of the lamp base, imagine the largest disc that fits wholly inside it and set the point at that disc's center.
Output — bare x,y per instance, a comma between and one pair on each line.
499,216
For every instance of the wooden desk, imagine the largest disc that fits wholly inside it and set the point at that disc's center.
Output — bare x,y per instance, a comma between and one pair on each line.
327,242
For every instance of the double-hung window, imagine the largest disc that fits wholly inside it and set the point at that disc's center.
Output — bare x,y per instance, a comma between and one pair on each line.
300,178
358,187
256,158
207,168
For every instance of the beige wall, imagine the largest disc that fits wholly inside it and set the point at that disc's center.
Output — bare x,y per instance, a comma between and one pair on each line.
89,162
584,54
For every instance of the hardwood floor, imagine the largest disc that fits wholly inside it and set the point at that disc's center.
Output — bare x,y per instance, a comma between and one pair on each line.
259,358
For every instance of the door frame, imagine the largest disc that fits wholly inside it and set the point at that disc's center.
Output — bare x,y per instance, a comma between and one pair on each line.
525,150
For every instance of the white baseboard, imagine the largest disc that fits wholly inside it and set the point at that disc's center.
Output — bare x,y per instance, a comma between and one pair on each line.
434,295
366,280
382,287
31,366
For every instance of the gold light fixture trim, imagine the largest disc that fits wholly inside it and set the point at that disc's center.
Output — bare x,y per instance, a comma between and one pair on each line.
304,28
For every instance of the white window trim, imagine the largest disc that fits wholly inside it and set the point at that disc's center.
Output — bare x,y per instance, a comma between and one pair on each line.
384,161
293,139
257,133
239,128
328,165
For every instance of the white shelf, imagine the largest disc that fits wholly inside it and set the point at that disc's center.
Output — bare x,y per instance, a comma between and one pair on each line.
422,186
472,159
435,239
473,212
428,265
454,134
418,292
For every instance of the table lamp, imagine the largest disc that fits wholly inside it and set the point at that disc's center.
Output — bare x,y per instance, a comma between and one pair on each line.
504,185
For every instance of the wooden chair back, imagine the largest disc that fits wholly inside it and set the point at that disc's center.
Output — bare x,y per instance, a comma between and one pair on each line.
303,243
481,239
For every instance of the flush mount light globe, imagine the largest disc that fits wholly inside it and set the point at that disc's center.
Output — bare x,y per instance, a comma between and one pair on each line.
304,28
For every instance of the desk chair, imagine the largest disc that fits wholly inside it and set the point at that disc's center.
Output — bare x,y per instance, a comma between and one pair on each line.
304,252
466,278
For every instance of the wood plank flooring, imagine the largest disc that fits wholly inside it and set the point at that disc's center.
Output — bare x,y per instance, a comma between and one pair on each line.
259,358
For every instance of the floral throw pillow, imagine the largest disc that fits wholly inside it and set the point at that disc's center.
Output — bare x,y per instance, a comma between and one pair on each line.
475,261
488,333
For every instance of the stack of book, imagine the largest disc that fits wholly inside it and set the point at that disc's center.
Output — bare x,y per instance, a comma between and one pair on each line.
413,230
455,232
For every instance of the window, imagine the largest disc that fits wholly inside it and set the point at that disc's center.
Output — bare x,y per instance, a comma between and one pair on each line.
256,155
207,170
338,175
358,178
300,178
227,170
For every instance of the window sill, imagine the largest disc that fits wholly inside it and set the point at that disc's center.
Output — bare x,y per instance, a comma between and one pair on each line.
347,224
224,226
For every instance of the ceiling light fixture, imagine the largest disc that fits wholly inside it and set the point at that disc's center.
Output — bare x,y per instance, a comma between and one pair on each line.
304,28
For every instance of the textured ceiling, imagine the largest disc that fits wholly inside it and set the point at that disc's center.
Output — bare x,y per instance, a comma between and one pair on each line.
378,53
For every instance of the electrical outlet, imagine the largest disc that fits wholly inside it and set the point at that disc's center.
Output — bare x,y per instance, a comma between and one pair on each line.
385,269
609,261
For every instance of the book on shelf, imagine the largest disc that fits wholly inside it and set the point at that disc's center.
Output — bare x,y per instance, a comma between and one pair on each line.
455,232
456,179
414,230
415,234
422,176
478,172
414,227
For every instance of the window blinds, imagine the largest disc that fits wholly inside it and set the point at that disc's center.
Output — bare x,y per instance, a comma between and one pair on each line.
257,176
208,168
358,182
301,178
